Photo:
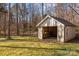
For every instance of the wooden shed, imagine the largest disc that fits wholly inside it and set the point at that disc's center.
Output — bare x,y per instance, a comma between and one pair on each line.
59,28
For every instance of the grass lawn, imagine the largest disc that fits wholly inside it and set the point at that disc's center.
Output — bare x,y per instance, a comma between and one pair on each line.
31,46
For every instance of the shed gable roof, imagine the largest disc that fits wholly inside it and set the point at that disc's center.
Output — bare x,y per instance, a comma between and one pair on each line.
63,21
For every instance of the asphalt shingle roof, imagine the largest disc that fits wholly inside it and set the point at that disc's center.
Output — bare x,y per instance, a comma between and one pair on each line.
63,21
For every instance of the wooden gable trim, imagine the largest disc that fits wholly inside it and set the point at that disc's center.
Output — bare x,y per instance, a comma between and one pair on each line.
42,20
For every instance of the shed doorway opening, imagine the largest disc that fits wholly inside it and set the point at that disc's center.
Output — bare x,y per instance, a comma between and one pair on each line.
50,32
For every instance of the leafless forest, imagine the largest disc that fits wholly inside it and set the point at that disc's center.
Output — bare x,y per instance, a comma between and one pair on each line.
21,18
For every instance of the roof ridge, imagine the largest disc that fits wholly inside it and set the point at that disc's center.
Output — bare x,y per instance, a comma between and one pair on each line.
63,21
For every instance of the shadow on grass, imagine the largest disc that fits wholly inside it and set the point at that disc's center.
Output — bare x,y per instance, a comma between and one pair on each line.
20,40
36,48
54,51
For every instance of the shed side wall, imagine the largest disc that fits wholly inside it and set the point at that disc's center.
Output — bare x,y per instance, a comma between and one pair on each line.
69,33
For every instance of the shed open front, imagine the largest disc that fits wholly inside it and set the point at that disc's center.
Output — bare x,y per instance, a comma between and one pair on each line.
50,32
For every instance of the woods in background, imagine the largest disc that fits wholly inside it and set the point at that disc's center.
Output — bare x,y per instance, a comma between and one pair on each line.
22,18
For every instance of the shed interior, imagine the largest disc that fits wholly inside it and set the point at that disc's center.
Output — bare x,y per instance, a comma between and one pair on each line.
50,32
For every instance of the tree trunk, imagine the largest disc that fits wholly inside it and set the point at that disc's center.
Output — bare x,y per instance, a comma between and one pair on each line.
9,22
4,25
42,10
17,19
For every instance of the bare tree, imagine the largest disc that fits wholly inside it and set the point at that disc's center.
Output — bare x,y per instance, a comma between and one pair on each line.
17,19
59,10
9,21
42,10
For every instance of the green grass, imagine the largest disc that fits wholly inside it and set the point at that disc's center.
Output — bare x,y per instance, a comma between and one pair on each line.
26,38
1,36
31,46
22,38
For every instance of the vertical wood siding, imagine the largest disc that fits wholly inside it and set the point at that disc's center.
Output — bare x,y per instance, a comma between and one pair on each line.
40,34
64,33
60,33
69,33
49,22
